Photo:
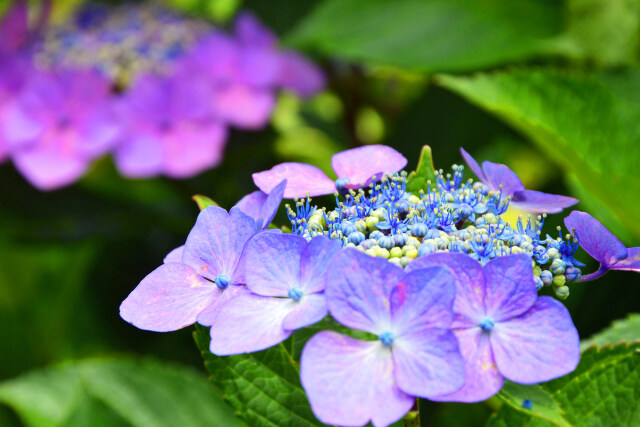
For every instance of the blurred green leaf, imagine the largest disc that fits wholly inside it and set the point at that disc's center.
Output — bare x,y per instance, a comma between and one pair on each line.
203,201
577,119
434,35
418,179
111,392
602,391
620,330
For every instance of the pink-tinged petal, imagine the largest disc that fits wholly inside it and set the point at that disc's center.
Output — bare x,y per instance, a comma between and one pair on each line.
315,259
359,164
251,32
252,203
215,56
300,75
350,382
423,299
308,310
595,239
301,179
141,156
243,106
191,148
259,67
427,363
536,201
190,96
510,288
631,263
207,317
98,134
359,290
482,379
216,243
249,323
470,284
473,165
19,127
275,263
174,256
500,175
540,345
169,298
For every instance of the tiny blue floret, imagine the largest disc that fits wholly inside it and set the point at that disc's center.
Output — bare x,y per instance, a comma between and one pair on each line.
527,404
341,184
486,324
295,293
386,338
222,281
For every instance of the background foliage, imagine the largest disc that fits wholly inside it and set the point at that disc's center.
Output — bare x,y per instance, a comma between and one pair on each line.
551,88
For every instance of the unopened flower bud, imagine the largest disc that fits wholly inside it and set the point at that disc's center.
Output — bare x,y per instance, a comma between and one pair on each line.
562,292
559,281
557,267
547,277
572,274
395,252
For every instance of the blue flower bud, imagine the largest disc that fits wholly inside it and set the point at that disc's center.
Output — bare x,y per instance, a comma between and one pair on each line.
572,274
386,242
419,230
486,324
547,277
295,293
347,228
377,234
539,283
562,292
403,207
341,184
400,240
356,238
557,267
222,281
368,244
426,249
386,338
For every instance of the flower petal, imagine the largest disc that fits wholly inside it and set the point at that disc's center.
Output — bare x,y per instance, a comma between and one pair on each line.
249,323
251,32
141,156
359,164
316,258
251,204
500,175
537,346
174,256
191,148
215,244
350,382
482,379
631,262
473,165
169,298
275,263
536,201
309,310
207,317
510,288
271,205
301,179
359,290
243,106
470,284
595,239
300,75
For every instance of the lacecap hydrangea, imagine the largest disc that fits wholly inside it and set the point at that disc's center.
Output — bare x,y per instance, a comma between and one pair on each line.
430,293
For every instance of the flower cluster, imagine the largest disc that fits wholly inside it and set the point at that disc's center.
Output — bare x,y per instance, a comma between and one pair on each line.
442,302
157,90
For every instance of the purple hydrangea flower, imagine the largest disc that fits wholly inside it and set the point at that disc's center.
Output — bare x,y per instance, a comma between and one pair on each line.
355,168
504,329
285,277
351,382
58,125
499,177
170,128
602,245
198,278
262,207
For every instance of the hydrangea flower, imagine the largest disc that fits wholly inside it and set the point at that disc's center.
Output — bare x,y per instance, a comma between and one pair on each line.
602,245
285,277
351,382
499,177
261,206
504,329
355,168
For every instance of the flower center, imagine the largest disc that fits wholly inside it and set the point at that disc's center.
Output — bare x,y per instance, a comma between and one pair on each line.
386,338
222,281
295,293
486,324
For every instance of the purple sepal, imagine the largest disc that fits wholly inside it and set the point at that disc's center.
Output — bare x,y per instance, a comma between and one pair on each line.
631,262
302,180
262,207
595,239
174,256
536,201
358,165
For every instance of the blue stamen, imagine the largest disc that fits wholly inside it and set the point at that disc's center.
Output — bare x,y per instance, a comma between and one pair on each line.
222,281
295,293
486,324
386,338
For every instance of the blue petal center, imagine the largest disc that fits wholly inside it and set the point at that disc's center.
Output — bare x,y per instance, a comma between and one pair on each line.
486,324
386,338
341,184
295,293
222,281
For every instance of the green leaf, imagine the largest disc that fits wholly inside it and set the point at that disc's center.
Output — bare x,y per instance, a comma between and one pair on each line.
604,390
203,202
434,35
620,330
112,392
418,179
263,387
581,121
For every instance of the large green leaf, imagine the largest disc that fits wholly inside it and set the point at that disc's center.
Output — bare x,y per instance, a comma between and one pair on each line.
114,392
620,330
604,390
584,122
431,35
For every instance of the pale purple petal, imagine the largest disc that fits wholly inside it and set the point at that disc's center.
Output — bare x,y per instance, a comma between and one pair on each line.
423,299
359,164
249,323
252,203
427,362
243,106
301,179
536,201
18,126
169,298
191,148
208,316
275,263
251,32
141,156
537,346
631,262
300,75
359,290
500,175
315,259
470,286
271,205
473,165
510,288
309,310
595,239
350,382
482,379
216,242
259,67
174,256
